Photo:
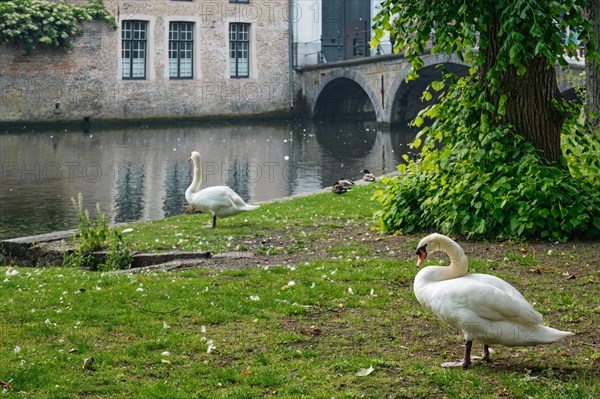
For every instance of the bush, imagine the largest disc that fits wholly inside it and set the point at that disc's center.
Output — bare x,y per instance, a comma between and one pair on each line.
478,179
96,236
580,141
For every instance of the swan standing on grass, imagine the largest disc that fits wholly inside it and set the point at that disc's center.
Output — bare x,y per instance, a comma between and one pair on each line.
486,308
219,201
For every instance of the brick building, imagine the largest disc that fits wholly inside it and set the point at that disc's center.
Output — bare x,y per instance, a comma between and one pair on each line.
167,59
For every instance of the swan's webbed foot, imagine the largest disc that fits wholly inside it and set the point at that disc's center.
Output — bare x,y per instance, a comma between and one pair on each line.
456,364
466,363
485,356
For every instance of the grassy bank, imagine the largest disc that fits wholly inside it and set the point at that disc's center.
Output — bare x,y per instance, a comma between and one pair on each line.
323,298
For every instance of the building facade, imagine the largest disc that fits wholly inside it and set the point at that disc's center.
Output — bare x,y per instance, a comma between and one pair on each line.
334,30
167,59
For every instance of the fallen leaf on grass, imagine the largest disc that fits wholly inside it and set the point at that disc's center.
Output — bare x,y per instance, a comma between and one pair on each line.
312,331
569,276
5,385
364,372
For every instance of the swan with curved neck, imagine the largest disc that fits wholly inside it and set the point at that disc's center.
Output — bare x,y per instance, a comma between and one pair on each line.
486,308
219,201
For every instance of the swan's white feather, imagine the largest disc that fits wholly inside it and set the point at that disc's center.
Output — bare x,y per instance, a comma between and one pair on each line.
486,308
219,201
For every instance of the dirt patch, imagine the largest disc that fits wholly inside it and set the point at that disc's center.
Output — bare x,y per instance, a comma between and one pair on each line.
294,245
575,259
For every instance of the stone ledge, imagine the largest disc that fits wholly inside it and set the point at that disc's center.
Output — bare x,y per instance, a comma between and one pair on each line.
46,250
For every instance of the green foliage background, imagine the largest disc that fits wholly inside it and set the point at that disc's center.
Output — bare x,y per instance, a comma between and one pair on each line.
480,179
477,175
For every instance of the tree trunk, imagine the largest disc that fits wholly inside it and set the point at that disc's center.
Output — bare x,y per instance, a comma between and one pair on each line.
529,105
530,109
592,69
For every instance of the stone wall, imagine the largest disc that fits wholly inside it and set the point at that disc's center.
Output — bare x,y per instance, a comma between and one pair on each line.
58,84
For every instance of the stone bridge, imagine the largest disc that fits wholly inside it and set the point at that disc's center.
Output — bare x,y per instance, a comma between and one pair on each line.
375,87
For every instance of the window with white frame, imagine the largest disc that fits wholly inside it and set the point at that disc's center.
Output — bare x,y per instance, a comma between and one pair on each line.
181,42
239,50
133,49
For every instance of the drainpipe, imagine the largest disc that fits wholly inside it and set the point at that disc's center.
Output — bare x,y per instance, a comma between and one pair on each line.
291,51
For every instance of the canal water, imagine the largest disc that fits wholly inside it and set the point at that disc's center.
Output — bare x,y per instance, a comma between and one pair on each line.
142,173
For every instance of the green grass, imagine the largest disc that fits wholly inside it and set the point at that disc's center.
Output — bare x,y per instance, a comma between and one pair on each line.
309,217
350,309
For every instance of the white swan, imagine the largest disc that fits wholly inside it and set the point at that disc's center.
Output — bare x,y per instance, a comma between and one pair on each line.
486,308
219,201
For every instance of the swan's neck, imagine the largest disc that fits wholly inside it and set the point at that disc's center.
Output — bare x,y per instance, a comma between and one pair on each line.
458,264
197,177
458,260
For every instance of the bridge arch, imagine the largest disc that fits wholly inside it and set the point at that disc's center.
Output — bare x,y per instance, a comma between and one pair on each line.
372,87
346,93
403,101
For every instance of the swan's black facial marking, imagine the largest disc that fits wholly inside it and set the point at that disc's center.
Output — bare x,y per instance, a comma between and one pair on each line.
422,248
422,254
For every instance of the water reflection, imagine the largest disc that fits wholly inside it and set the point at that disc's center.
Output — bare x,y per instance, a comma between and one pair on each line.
139,174
176,182
130,189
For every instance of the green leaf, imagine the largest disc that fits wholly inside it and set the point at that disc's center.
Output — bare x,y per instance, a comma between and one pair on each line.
501,105
438,85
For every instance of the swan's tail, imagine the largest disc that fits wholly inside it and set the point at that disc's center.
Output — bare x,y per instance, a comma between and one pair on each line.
555,334
546,335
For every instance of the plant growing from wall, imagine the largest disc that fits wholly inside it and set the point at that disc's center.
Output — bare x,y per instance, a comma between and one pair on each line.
35,22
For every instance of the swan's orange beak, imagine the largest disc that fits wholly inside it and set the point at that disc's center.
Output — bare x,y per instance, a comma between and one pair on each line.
190,158
422,254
